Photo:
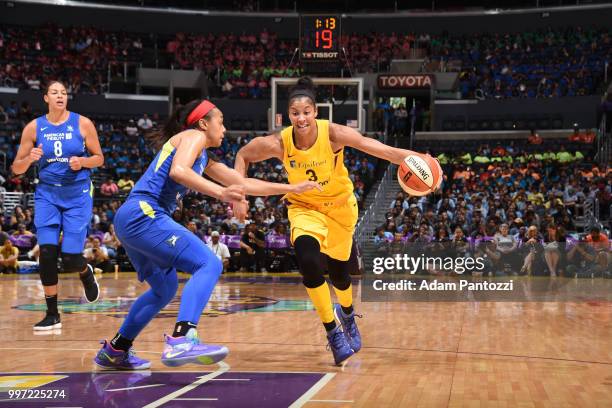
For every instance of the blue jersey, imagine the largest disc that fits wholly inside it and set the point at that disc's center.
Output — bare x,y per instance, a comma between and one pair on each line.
157,184
59,144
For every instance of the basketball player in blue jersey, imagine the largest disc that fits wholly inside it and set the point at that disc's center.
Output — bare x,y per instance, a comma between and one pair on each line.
66,147
158,246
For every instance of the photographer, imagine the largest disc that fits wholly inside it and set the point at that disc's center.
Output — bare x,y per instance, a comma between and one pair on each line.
253,249
97,256
587,261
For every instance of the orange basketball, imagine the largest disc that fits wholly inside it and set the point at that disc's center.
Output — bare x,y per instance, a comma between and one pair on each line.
419,174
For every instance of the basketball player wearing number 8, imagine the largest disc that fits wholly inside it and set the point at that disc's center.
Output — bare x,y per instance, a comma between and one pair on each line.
321,221
65,146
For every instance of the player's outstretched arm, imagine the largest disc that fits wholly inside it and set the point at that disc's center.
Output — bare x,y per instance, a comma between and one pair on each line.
188,149
27,153
346,136
258,149
226,176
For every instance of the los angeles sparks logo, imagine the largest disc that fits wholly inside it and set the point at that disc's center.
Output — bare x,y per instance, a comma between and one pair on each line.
218,306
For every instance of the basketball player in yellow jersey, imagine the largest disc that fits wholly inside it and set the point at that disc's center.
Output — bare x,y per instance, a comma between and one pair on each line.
321,221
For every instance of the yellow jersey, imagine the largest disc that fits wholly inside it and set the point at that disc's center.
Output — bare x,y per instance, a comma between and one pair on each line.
318,163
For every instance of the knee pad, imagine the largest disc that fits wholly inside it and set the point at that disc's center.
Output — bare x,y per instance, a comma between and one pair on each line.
308,254
48,264
339,273
73,262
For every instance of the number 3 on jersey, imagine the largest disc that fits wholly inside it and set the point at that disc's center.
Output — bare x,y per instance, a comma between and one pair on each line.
312,174
57,148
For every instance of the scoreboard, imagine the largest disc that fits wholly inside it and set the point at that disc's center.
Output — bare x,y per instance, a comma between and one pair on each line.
320,38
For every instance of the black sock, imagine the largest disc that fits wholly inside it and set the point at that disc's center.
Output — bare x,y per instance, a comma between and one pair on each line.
52,305
181,328
121,343
347,310
330,326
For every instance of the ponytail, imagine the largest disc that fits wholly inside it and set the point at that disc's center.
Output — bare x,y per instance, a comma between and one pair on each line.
304,88
175,124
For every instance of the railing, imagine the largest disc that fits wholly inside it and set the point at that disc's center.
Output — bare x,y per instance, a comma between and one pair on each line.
364,229
10,201
586,216
28,200
604,143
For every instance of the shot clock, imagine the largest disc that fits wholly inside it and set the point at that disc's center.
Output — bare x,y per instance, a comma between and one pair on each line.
320,38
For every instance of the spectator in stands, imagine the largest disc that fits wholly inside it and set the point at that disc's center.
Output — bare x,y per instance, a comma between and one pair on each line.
459,244
125,184
109,188
506,246
18,217
400,121
398,245
193,227
597,239
97,256
555,250
144,123
219,249
585,261
533,252
382,236
8,257
131,129
279,245
111,242
252,249
23,239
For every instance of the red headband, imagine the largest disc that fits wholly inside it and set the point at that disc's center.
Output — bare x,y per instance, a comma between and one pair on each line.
199,112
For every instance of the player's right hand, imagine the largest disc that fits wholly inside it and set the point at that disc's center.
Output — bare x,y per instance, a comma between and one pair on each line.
241,208
306,186
36,153
234,192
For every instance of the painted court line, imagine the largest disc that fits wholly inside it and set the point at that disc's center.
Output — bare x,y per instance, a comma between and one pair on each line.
136,388
312,391
196,399
223,368
60,349
333,401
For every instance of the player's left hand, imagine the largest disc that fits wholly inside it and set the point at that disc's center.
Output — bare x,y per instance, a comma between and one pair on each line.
306,186
75,163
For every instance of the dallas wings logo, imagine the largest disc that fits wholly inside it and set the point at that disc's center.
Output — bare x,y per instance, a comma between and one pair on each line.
172,240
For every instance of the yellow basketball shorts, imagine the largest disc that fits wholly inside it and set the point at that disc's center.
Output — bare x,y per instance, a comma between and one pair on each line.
332,227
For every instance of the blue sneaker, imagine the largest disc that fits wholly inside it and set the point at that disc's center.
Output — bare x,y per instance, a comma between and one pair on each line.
112,359
339,345
188,349
349,327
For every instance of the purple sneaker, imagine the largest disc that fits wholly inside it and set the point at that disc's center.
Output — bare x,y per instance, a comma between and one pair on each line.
349,327
188,349
112,359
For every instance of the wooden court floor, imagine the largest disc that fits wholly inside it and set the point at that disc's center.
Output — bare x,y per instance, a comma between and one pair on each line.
427,354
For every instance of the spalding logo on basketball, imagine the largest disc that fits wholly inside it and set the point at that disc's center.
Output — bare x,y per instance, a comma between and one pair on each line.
419,175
